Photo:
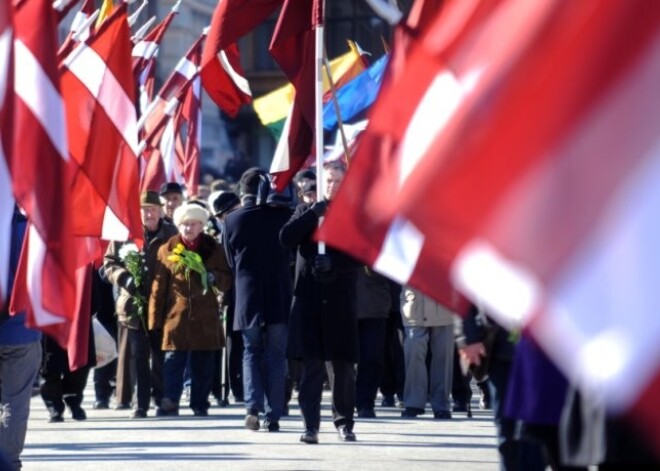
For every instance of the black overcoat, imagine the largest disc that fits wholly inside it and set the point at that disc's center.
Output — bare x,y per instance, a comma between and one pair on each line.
323,320
262,278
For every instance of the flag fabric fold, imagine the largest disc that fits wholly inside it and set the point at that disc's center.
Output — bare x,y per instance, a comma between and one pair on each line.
97,84
223,77
293,48
45,284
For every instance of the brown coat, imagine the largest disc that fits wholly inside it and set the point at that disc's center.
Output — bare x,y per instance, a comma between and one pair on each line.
190,320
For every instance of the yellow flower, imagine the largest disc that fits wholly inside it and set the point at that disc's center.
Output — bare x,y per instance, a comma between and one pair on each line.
178,249
174,258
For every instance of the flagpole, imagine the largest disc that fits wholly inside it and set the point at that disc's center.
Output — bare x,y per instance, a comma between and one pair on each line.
318,95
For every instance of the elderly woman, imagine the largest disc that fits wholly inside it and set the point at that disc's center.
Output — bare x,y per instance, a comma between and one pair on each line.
187,315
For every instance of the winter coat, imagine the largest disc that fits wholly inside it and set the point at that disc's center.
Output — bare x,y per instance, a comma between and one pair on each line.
418,310
117,274
373,295
188,317
262,279
323,319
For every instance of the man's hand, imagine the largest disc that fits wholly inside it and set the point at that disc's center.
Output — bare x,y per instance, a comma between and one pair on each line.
473,353
210,277
319,208
322,264
129,284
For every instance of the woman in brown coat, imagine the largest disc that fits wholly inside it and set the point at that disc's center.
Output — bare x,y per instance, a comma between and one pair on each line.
188,316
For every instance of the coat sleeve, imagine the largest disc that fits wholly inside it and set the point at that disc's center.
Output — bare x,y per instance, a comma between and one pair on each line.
300,227
159,290
114,268
220,269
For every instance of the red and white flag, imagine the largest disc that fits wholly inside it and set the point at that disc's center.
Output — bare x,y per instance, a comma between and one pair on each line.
97,84
541,186
144,56
39,166
6,134
63,7
191,113
292,47
222,75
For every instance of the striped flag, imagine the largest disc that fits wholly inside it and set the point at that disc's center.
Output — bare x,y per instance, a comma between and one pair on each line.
292,47
144,59
191,113
78,23
39,165
222,75
6,134
97,84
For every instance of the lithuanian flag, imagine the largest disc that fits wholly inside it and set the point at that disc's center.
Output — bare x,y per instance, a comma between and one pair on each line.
274,107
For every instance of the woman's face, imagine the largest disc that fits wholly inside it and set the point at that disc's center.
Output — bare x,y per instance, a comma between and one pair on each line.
190,229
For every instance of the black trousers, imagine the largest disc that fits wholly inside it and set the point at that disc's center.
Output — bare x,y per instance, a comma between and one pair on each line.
139,346
371,336
60,385
342,383
394,372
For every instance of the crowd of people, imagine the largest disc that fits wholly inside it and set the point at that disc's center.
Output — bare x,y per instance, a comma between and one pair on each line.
229,291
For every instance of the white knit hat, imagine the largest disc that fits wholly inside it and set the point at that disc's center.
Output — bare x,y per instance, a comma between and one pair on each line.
188,211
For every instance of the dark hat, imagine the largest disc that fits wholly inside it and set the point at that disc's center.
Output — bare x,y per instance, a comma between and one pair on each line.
309,185
308,174
224,202
171,187
286,197
150,198
250,180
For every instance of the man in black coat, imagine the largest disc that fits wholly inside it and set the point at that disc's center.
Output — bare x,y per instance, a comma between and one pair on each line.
262,287
323,322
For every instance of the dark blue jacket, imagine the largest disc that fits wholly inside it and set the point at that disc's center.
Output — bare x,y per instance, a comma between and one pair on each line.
12,328
260,265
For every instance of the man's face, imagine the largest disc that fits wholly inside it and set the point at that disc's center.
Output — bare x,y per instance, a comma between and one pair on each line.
150,216
332,179
172,201
190,229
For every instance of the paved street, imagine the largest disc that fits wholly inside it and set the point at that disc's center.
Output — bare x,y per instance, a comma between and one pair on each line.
108,440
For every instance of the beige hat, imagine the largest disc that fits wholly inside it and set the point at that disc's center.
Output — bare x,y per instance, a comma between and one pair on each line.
188,212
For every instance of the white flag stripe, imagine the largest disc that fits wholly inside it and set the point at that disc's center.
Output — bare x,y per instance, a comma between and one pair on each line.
400,251
186,68
145,49
167,148
35,263
113,228
240,81
35,89
93,72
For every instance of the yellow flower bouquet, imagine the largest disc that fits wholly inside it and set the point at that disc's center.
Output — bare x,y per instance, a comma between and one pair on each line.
188,261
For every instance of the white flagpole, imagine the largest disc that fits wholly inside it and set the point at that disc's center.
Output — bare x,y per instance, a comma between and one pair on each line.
318,95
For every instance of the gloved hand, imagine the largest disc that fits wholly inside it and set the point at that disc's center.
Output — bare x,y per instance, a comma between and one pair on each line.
210,278
320,208
322,269
322,264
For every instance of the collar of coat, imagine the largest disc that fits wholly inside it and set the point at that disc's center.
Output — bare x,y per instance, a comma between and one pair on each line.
207,245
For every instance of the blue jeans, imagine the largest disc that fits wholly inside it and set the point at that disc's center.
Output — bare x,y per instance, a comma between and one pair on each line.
19,365
201,374
264,369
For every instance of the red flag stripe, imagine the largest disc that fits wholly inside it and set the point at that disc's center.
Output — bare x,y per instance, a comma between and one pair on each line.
239,81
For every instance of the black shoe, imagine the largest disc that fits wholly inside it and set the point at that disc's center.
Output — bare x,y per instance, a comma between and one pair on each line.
98,405
345,435
55,417
366,414
270,426
484,403
160,412
388,401
459,406
252,422
412,412
139,414
200,412
311,437
122,406
77,413
442,415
